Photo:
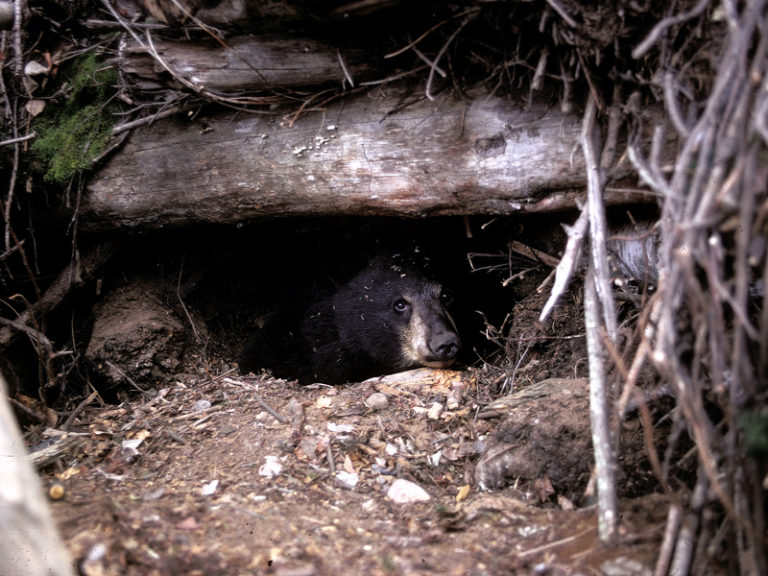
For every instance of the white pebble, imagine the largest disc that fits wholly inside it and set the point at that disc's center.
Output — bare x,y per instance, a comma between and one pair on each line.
271,467
406,492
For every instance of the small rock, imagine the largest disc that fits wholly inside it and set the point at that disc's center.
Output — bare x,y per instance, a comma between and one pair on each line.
406,492
210,488
347,479
201,405
271,467
377,401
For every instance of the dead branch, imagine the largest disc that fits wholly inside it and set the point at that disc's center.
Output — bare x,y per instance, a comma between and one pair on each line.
714,178
569,263
597,225
599,411
662,26
441,52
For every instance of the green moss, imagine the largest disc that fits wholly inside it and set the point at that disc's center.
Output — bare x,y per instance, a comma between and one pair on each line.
72,133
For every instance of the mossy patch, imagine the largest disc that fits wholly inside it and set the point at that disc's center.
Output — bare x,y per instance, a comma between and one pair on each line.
75,131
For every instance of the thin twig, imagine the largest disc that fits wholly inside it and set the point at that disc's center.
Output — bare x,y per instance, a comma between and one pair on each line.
657,31
79,408
344,69
30,136
554,544
670,539
563,14
125,126
428,32
20,7
184,306
568,264
275,414
451,38
672,107
429,62
128,378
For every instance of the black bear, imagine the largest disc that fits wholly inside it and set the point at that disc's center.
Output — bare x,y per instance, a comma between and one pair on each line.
389,317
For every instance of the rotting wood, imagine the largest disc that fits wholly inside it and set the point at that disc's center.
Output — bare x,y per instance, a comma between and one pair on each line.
355,157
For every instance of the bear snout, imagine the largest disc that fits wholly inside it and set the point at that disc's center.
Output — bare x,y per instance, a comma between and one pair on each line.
431,339
445,346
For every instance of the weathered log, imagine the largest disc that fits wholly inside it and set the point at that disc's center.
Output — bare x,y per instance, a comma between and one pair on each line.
241,65
29,542
486,155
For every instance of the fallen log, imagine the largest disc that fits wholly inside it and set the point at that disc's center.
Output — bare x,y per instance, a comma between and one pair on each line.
370,155
240,65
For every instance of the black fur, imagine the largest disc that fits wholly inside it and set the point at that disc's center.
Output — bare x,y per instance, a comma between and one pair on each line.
389,317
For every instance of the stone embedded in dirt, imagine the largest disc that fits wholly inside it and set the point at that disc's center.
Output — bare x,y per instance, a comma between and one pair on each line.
406,492
201,405
377,401
135,335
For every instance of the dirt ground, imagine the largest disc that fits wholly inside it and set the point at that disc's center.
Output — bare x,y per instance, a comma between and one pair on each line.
217,473
202,479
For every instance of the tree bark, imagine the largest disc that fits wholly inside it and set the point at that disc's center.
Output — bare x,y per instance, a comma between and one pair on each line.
360,156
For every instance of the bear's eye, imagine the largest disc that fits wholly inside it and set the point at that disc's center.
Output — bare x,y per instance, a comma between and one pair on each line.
446,298
400,305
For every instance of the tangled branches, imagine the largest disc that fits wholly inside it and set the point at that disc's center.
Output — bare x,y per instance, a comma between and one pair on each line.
706,334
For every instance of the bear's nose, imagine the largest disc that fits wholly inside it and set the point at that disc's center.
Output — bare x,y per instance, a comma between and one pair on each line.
446,346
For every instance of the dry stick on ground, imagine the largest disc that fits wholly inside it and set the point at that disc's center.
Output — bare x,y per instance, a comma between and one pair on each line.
686,540
130,380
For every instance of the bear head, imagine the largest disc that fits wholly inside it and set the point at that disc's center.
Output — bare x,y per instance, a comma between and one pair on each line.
394,318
